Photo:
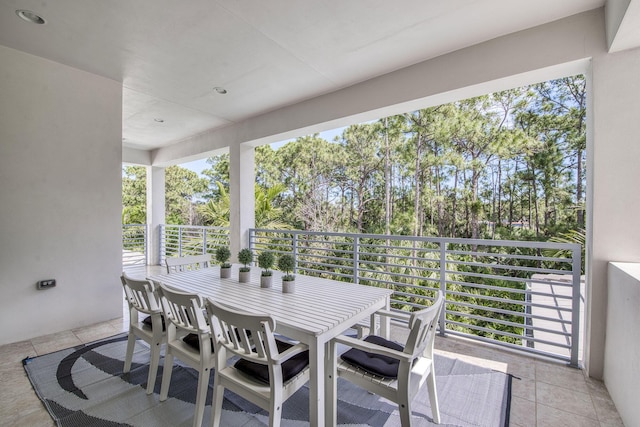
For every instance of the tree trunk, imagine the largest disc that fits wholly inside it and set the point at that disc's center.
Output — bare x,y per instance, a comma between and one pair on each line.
416,202
580,213
454,204
387,181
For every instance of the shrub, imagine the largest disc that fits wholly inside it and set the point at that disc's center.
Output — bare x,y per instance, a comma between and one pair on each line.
222,256
245,256
286,263
265,261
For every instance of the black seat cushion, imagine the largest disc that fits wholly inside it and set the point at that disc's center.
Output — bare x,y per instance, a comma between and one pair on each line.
290,368
193,341
376,364
147,321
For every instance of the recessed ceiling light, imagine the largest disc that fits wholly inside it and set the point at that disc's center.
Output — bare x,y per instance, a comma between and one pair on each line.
220,90
29,16
159,120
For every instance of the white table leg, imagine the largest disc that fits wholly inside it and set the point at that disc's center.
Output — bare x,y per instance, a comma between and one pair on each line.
316,383
385,321
331,384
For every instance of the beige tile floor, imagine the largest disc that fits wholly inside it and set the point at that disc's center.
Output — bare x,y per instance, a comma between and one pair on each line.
544,393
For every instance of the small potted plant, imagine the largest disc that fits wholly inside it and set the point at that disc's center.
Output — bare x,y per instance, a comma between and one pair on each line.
286,263
265,262
222,256
245,256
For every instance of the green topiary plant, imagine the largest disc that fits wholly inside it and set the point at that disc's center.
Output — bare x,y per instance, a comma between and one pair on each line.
222,256
245,256
265,262
286,263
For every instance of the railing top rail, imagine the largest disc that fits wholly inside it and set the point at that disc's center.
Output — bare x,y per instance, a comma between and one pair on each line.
439,240
199,227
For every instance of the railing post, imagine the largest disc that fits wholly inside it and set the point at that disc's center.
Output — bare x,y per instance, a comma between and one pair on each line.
443,286
294,249
575,306
356,259
204,241
162,238
179,241
146,244
252,235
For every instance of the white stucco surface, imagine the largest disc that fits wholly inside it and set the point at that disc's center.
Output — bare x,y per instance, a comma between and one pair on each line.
622,348
60,196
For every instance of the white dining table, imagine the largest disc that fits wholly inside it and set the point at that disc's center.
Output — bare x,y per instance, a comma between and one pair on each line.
319,310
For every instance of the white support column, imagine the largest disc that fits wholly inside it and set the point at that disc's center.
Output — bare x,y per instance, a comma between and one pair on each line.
613,230
242,197
155,212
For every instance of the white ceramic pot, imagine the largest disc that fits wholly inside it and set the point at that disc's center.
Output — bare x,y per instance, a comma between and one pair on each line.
244,276
265,281
288,286
225,273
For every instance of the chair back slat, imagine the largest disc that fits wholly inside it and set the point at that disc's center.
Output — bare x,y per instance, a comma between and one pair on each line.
423,328
186,263
245,334
140,294
184,310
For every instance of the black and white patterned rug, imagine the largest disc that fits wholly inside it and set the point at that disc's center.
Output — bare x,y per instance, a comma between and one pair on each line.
85,385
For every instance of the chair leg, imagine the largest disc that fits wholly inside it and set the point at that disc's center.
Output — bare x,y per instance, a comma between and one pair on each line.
433,396
153,367
405,414
166,376
201,396
275,412
216,402
404,405
131,342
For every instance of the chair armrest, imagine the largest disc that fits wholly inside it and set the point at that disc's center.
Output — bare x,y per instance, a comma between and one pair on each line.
373,348
290,352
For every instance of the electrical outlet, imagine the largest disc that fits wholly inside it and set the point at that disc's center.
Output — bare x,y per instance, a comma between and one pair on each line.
44,284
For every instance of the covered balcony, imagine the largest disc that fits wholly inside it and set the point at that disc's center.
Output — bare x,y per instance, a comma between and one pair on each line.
80,99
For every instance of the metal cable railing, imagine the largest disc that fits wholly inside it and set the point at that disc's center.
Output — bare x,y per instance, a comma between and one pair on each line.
134,244
517,294
181,240
522,295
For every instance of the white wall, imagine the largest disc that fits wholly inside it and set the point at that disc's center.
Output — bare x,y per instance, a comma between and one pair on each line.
622,348
614,175
60,196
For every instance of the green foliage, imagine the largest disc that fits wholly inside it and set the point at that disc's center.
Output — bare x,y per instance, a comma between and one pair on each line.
182,186
222,256
286,263
572,236
245,256
215,212
266,260
134,202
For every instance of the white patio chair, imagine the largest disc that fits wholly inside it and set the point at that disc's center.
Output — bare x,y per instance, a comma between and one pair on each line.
391,370
185,263
142,299
269,371
189,339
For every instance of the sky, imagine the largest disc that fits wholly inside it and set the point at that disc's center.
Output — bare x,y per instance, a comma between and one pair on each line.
199,165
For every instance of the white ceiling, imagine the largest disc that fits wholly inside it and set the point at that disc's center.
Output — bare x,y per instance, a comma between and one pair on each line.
170,54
